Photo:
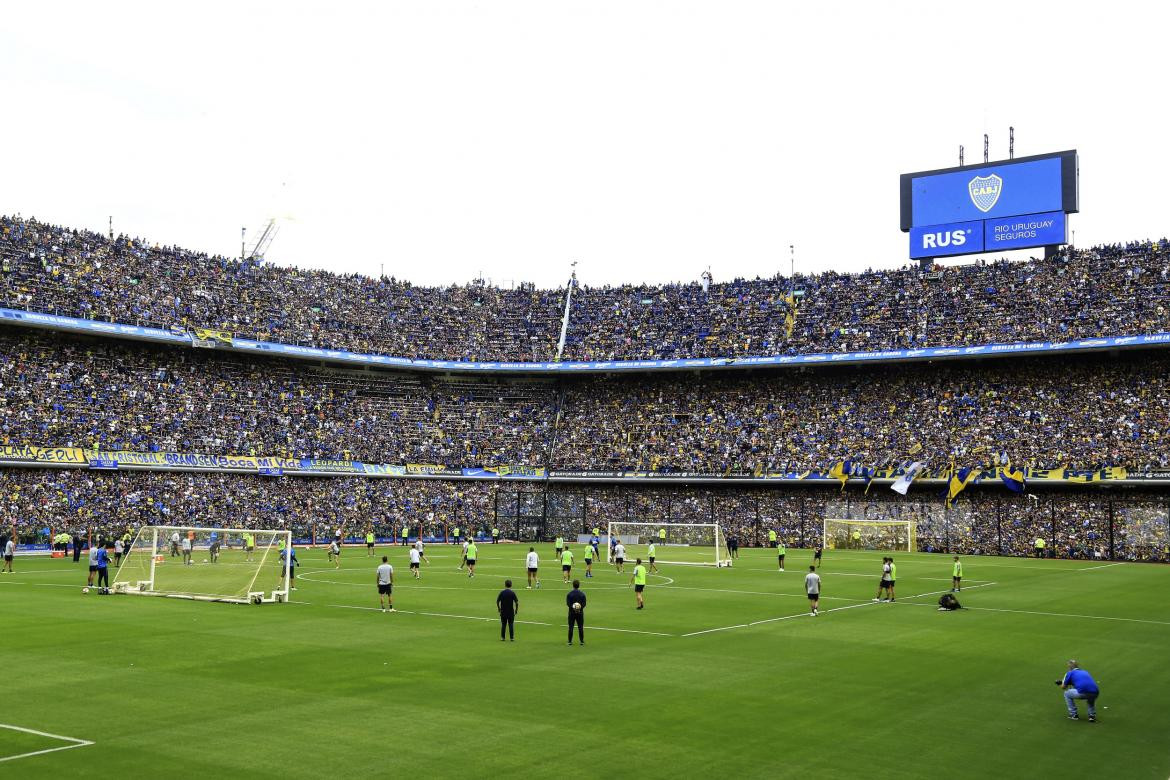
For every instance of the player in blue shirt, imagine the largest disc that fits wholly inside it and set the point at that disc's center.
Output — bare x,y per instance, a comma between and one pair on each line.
102,561
1079,684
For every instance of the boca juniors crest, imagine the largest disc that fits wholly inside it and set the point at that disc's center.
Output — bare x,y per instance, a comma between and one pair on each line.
985,191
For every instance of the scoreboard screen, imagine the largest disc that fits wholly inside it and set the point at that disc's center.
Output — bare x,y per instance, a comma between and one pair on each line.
1011,204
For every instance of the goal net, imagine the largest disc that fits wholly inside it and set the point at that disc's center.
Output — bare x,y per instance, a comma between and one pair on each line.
870,534
210,564
697,544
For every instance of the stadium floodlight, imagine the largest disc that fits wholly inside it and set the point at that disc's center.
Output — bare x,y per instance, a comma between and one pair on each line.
693,535
224,564
870,534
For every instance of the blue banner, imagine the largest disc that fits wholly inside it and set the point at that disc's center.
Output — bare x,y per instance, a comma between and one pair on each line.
998,190
1046,229
957,238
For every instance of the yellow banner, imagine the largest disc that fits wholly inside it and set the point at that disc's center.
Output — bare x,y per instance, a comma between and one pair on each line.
207,334
31,454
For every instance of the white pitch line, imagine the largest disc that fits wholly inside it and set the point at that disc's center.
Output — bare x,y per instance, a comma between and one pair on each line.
76,742
948,590
775,619
754,592
1102,566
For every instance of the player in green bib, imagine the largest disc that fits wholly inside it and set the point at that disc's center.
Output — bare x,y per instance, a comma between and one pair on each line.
650,554
560,545
370,543
893,578
566,564
781,549
956,576
639,582
471,554
588,560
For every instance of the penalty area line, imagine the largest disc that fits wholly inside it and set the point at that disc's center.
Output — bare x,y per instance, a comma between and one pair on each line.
76,743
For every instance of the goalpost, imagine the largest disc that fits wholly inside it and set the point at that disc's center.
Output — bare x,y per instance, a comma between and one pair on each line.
705,538
237,565
870,534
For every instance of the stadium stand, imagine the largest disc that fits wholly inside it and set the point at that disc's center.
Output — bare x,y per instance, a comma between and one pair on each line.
1094,412
111,395
1115,290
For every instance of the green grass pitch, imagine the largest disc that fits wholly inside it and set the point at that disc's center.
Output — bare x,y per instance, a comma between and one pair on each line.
723,673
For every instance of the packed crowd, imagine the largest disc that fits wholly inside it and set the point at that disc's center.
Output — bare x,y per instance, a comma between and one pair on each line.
1044,413
1105,411
1112,290
1073,524
115,396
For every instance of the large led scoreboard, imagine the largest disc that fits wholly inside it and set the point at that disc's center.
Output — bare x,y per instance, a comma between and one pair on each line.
991,207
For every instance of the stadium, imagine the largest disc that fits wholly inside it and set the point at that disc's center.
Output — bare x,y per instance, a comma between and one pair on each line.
259,517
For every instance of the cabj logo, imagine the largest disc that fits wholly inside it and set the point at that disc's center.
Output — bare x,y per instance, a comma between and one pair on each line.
985,191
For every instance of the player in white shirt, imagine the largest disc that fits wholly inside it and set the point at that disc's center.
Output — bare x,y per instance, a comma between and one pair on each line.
415,557
9,554
532,563
619,556
463,557
884,582
187,551
335,553
812,586
422,554
385,580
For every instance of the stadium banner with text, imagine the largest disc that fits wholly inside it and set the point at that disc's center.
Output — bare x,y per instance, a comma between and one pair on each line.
76,325
1030,230
384,470
25,453
331,466
506,472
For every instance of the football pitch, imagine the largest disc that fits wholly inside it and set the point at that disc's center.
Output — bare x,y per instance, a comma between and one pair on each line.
723,674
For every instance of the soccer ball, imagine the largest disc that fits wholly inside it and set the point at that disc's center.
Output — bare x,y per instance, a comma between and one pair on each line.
85,590
576,606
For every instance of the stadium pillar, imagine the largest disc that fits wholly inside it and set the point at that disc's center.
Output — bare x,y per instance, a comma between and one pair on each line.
756,531
946,527
1110,529
313,534
1052,527
800,511
998,526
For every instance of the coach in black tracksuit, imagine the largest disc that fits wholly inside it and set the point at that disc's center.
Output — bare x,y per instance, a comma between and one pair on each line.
508,605
576,616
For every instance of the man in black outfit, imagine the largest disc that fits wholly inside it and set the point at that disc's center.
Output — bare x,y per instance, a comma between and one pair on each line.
508,605
575,600
76,547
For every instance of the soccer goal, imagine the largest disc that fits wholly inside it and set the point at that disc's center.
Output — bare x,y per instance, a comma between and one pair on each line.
703,542
870,534
208,564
